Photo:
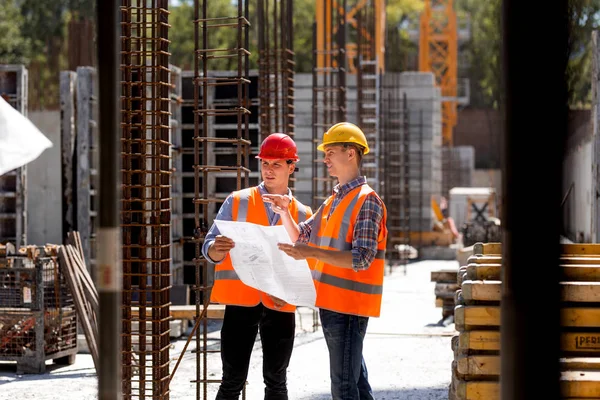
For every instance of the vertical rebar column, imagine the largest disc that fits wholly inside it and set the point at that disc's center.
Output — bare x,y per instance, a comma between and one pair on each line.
405,177
393,158
276,67
329,87
368,81
209,57
146,202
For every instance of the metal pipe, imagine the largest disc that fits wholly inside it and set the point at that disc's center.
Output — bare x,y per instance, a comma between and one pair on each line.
109,241
530,360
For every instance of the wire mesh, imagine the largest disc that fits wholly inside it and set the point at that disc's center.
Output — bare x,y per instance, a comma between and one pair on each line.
37,313
232,106
329,88
146,202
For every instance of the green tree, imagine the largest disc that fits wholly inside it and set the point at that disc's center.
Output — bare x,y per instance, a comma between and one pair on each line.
14,47
402,17
483,50
584,17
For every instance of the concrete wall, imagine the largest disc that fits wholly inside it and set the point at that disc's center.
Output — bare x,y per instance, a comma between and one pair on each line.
481,128
44,224
580,165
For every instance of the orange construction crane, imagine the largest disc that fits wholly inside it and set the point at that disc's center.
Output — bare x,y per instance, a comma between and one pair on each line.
438,53
326,31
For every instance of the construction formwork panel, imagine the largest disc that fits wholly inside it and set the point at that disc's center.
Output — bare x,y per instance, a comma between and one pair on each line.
177,237
86,162
68,135
38,320
79,157
13,184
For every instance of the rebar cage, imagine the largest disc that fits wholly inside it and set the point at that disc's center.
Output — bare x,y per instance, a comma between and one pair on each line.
146,202
230,107
276,68
329,88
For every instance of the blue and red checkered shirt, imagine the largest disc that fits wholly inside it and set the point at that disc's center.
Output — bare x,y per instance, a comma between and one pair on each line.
366,228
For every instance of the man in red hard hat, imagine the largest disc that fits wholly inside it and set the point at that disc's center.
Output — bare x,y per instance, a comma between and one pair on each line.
247,309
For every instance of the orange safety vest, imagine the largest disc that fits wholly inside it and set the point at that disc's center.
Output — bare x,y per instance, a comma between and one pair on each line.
345,290
248,206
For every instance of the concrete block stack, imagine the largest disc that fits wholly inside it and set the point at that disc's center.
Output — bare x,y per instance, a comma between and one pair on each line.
476,365
458,166
425,145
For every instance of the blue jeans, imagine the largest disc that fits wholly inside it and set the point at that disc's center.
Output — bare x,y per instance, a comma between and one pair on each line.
344,335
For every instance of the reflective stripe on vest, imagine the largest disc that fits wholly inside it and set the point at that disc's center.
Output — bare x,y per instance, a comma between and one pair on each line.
347,283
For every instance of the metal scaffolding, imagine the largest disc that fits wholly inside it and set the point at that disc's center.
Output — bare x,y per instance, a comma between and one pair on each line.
210,109
13,184
146,202
329,88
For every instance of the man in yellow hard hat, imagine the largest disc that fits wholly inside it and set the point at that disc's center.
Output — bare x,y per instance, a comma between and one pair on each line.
347,237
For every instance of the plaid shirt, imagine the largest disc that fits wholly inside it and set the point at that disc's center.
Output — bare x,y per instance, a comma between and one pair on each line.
366,228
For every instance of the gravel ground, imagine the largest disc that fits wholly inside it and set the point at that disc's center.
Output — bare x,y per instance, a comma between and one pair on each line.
407,354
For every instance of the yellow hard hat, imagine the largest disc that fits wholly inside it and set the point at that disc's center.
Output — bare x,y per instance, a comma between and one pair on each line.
344,132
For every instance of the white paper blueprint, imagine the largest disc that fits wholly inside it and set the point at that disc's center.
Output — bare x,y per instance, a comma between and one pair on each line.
261,265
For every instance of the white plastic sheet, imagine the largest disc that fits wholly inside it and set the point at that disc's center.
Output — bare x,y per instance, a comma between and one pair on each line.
20,140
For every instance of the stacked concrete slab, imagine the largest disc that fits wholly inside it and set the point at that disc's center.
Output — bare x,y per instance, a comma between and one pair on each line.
458,166
425,145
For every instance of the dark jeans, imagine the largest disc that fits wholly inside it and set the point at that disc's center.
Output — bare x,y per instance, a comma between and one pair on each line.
240,326
344,335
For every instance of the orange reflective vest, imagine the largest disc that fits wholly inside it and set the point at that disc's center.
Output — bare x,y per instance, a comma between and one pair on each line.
228,288
345,290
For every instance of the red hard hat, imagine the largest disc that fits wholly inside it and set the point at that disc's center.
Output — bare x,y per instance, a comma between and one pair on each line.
278,146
